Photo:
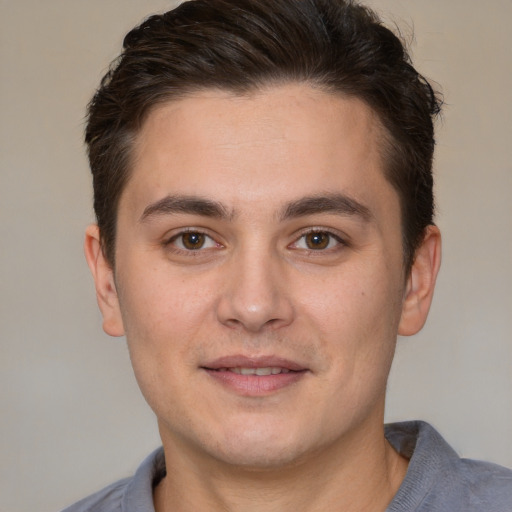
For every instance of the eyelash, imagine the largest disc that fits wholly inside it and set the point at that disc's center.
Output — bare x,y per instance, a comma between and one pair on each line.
170,243
340,242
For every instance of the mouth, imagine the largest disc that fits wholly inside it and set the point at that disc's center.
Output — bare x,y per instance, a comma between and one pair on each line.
268,370
259,376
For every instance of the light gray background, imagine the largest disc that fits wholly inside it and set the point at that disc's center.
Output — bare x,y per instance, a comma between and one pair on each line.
71,416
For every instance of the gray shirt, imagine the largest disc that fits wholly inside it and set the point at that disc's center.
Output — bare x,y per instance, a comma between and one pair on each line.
437,479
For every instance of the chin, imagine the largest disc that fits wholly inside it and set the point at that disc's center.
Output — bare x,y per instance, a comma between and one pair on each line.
260,449
260,458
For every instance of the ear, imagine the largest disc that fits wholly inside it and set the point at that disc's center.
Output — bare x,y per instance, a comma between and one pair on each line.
103,275
420,285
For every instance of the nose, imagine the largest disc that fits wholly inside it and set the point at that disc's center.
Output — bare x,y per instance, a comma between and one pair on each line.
254,295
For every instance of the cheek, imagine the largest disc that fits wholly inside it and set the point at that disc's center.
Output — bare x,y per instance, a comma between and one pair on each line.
358,296
356,312
164,317
162,312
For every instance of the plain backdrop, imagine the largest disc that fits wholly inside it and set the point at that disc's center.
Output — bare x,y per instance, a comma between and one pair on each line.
71,417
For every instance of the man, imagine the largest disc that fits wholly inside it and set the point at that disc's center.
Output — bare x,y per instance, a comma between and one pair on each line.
263,191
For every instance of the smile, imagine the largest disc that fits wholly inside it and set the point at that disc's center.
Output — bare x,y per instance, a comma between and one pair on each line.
259,376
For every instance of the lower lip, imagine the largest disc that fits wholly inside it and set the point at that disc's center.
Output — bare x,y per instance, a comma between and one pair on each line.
255,385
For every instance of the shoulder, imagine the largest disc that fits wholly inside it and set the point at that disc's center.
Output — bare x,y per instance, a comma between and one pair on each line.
106,500
134,494
472,486
439,480
487,484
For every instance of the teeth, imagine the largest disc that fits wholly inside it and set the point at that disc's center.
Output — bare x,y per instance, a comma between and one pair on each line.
269,370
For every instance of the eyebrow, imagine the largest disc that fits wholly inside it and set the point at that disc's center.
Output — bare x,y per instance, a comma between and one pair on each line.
339,204
186,204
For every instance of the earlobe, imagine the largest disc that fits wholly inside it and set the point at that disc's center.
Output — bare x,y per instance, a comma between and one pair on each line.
102,272
420,283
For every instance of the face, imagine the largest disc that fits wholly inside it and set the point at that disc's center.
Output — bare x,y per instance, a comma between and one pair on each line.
259,275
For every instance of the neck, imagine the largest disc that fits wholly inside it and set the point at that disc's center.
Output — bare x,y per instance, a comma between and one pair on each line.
363,473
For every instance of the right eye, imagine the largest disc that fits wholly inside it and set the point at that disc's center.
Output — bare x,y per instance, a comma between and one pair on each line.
192,241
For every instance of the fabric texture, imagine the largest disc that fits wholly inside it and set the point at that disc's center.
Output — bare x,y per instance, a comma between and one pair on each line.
437,479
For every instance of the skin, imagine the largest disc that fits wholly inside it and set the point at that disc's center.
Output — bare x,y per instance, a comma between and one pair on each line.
281,275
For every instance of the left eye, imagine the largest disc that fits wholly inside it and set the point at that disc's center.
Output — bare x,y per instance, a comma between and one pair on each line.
193,241
317,241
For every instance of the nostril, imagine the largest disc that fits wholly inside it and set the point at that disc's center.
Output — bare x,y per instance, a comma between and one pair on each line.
254,299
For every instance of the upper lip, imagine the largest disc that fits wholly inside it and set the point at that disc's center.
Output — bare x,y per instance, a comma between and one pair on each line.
241,361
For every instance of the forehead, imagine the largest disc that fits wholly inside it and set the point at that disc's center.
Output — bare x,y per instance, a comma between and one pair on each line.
267,146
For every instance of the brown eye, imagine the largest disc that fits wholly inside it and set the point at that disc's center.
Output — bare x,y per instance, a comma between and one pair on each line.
192,241
317,240
188,242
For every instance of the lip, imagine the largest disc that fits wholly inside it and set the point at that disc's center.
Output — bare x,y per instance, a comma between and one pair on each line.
236,361
254,385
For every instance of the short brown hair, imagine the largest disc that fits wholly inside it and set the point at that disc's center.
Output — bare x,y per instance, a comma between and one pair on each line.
242,45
